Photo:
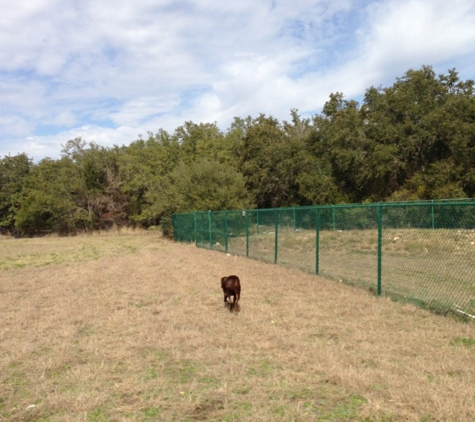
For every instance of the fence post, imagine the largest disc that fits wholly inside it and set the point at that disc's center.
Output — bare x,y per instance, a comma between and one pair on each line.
195,228
202,215
432,216
276,246
317,242
380,249
210,230
246,213
226,230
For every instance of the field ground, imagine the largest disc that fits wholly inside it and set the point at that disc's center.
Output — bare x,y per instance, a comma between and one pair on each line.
131,327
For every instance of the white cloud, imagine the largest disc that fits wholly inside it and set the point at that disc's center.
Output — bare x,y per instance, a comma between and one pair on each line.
61,119
415,32
138,110
38,147
110,70
14,125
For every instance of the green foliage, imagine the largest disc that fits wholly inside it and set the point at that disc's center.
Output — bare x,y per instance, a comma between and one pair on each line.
316,183
143,170
203,140
81,191
461,341
425,119
99,186
202,185
271,156
47,200
13,171
203,176
410,141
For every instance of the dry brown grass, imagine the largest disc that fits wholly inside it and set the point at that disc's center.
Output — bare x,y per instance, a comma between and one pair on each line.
131,327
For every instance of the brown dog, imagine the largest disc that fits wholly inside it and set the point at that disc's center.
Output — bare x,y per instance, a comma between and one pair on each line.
231,287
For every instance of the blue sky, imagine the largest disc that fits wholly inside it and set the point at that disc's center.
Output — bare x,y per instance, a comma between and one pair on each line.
109,70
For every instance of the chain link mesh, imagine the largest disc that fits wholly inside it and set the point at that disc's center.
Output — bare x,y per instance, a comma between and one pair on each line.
423,253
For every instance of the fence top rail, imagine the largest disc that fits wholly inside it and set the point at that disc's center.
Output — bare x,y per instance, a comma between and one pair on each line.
428,203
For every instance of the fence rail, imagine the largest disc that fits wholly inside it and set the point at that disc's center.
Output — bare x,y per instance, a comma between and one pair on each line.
419,252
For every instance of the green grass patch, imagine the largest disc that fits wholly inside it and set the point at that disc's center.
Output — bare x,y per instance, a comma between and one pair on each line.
151,414
345,411
17,253
462,341
98,415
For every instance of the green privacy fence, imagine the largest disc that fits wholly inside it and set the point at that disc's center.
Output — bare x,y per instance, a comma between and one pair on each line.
420,252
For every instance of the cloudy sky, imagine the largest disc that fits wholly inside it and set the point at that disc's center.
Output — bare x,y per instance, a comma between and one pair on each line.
109,70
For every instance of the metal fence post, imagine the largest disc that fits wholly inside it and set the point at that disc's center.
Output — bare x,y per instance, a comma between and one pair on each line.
196,228
202,229
317,242
276,246
432,216
247,231
210,230
380,249
226,230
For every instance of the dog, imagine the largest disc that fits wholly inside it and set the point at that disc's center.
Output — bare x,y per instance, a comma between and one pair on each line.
231,286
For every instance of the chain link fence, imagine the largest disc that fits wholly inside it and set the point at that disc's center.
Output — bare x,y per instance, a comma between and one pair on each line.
418,252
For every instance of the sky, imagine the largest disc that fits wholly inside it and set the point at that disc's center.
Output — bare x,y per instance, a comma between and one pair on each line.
110,71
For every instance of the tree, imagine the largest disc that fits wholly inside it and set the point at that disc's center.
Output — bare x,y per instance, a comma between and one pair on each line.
47,202
316,183
144,167
270,158
339,147
420,124
99,190
13,171
202,185
201,140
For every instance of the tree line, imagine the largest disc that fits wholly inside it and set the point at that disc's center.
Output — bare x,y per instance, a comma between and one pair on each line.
414,140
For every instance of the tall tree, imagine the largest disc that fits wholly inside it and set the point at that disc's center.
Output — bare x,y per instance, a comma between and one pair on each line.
202,185
418,123
144,169
47,202
100,188
270,158
13,171
339,144
199,140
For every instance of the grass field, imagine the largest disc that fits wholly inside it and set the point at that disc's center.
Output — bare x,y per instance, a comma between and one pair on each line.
131,327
